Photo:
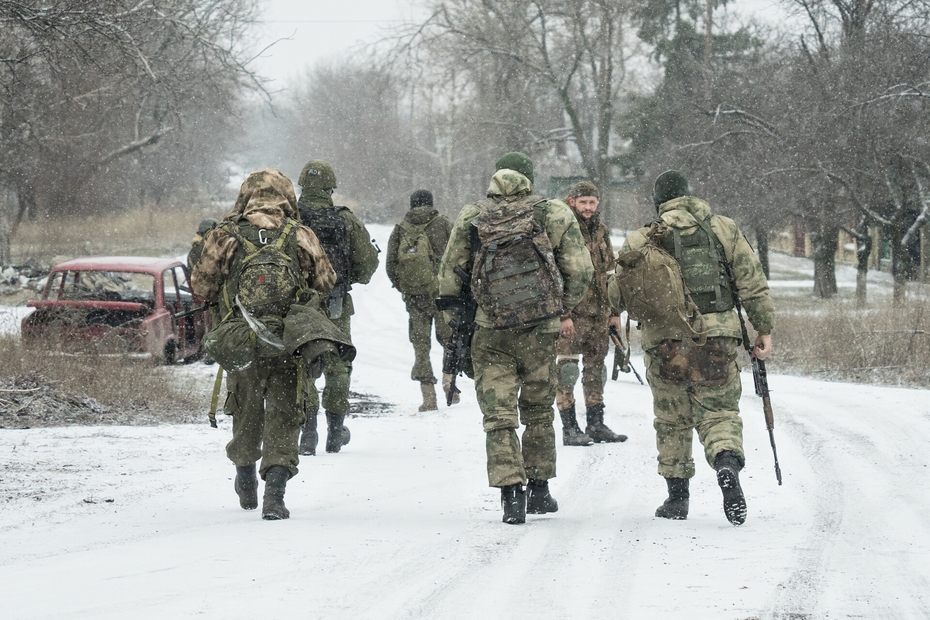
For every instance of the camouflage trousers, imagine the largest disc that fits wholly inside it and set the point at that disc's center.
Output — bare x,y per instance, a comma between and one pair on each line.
589,345
683,402
266,412
337,374
422,313
513,368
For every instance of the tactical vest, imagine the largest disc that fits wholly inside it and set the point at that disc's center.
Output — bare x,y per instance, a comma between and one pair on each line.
333,232
265,271
416,264
515,279
702,260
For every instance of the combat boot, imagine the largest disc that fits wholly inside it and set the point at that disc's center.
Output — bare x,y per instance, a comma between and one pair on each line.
309,438
538,499
513,501
676,506
273,507
429,397
246,486
728,465
447,385
572,434
596,428
337,433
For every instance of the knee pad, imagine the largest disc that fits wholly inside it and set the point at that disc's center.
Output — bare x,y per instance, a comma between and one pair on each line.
568,373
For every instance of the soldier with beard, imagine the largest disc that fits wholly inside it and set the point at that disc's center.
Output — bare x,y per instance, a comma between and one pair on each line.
584,332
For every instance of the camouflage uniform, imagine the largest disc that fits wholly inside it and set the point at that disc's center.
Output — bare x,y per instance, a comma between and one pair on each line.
422,308
707,400
590,318
364,262
263,398
513,367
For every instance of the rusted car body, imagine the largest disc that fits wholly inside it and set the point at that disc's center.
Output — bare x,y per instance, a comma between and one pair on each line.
119,304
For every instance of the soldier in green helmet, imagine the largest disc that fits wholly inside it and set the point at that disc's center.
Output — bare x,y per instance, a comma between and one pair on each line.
354,259
513,349
695,386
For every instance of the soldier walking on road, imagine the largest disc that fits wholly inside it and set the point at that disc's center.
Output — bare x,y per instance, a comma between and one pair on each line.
696,387
260,261
584,330
354,259
414,251
527,264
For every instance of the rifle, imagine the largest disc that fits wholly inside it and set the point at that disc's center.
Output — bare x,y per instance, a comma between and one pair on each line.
760,378
456,354
621,357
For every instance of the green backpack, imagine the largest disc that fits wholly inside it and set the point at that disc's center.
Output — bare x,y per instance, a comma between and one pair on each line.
265,272
416,265
654,293
515,279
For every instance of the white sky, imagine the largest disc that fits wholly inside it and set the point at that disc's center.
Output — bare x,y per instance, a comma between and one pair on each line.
319,30
325,29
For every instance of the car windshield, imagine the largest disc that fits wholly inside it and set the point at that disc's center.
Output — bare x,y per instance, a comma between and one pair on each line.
108,286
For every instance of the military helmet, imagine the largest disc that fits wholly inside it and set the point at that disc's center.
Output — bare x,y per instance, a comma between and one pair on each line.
207,225
669,185
317,174
518,161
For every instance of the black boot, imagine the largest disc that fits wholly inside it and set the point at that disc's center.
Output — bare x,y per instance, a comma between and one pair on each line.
538,499
246,486
337,433
308,436
676,506
273,507
596,428
728,465
572,434
513,501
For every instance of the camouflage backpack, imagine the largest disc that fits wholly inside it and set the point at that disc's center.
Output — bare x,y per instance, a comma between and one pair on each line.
333,232
416,264
650,283
515,279
265,273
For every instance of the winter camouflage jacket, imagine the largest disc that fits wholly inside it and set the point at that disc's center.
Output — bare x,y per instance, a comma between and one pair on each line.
752,287
364,255
597,240
267,200
437,232
561,227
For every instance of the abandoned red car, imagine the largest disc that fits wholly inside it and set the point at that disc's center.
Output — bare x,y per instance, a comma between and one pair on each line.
119,304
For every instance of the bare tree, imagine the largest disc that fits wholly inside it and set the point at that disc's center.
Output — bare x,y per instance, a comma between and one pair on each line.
87,87
543,71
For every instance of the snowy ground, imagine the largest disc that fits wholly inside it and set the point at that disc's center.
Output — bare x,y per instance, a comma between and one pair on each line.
142,522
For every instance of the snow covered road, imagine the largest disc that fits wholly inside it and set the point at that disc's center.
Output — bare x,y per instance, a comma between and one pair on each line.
142,522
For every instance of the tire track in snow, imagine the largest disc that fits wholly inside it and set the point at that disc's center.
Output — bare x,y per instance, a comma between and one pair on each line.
842,566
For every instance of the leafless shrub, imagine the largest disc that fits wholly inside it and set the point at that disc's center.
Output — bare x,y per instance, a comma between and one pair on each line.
40,389
884,345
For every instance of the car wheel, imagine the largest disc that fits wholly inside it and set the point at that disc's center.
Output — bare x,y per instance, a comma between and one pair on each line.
170,354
